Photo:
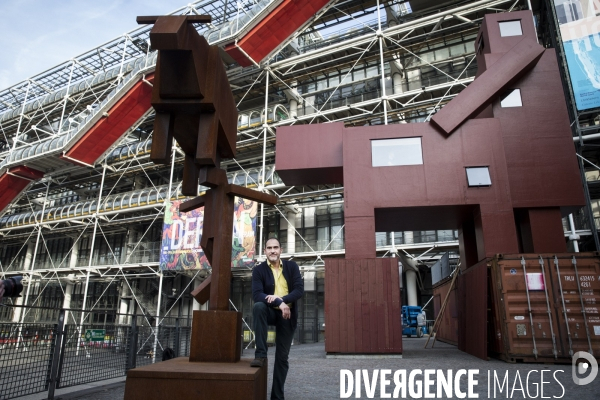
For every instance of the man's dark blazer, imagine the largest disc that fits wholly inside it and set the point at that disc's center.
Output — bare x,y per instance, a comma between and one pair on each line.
263,284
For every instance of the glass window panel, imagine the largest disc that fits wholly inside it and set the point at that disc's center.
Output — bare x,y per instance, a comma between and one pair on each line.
478,176
457,49
309,217
390,152
512,99
372,71
359,74
510,28
427,57
442,54
470,46
381,239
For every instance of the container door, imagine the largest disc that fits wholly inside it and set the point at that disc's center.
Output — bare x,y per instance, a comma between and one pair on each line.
472,300
526,306
576,290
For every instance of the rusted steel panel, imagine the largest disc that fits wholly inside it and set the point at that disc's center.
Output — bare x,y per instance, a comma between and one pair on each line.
472,294
448,327
373,328
364,305
362,310
396,307
342,304
380,308
527,298
180,379
332,320
357,296
349,306
387,301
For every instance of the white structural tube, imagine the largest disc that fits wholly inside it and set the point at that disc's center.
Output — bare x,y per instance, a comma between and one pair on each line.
574,237
291,232
411,287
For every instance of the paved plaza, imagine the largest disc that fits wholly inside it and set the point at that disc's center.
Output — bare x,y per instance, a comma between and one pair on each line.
313,376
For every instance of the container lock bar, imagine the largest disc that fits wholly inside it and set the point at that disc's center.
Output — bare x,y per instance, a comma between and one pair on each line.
587,332
563,306
548,308
535,352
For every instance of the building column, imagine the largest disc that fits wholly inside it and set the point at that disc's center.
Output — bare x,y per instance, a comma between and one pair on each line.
69,286
26,267
411,287
293,108
125,301
409,237
397,82
410,267
127,255
291,232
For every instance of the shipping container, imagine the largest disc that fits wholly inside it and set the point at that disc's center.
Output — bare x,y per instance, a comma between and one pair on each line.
546,306
525,307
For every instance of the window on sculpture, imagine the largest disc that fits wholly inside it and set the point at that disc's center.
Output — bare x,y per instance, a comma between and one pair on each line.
393,152
478,176
510,28
511,98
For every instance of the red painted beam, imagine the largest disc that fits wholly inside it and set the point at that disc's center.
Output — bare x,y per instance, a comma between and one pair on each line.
13,182
273,30
109,129
26,172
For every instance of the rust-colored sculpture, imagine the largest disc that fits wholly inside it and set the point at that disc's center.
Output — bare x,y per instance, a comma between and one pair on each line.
195,106
526,148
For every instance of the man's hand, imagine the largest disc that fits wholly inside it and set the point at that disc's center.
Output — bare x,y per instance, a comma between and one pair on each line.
271,298
1,290
285,311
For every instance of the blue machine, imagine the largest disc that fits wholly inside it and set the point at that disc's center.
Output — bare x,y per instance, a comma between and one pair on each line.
413,321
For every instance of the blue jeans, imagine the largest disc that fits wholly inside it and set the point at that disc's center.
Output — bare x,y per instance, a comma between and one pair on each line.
263,316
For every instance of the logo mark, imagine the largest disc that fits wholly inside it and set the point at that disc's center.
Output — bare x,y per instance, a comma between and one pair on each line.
583,367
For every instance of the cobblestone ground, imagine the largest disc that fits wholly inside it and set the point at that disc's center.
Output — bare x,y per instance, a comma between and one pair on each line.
313,376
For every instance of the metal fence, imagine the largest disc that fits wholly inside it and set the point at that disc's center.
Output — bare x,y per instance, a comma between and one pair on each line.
36,358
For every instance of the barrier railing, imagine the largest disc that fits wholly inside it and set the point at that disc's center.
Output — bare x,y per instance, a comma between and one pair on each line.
36,357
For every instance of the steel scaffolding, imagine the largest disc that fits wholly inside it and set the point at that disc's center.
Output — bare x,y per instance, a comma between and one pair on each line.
361,62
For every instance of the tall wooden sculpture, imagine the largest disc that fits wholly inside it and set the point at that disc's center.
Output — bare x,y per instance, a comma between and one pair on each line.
194,105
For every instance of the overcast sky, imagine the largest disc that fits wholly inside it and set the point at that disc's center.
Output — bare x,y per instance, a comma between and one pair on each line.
36,35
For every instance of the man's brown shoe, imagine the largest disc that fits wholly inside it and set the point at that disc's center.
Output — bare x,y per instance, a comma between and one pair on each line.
258,362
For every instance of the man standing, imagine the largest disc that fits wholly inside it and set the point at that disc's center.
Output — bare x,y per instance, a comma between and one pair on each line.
276,287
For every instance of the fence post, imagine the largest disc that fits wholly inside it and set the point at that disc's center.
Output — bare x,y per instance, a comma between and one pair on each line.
56,354
177,338
132,353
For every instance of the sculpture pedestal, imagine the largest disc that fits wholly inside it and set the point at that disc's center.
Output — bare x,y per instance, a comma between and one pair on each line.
181,379
216,336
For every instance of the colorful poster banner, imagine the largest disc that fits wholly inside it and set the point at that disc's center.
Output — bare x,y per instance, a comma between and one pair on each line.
180,247
579,22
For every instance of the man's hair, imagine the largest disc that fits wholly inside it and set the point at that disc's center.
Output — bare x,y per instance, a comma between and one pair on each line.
273,238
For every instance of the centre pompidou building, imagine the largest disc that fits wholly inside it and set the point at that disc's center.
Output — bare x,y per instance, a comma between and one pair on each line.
82,207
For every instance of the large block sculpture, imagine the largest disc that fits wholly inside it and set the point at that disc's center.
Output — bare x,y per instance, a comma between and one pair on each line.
194,105
527,150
